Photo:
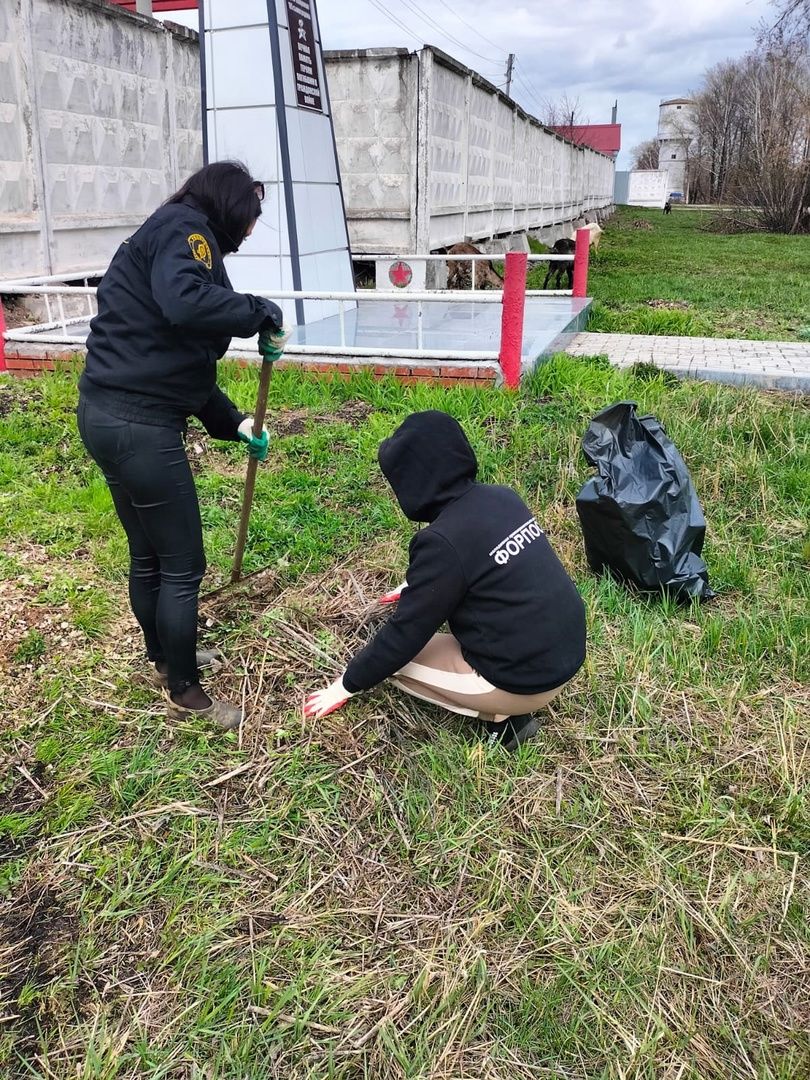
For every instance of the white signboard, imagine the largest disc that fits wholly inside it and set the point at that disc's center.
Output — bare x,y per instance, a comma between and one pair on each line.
266,104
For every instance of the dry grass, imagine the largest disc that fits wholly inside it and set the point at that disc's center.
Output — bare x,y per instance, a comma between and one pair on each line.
407,918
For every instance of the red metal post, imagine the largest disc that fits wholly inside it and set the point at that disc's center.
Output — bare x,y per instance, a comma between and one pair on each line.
581,262
512,312
2,338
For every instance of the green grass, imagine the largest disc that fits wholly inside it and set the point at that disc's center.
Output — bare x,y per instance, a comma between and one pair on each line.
376,895
754,285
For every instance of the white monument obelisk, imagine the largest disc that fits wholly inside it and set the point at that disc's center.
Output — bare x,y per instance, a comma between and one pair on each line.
266,103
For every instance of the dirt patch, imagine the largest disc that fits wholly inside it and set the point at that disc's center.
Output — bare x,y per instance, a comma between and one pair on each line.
294,421
34,928
20,394
668,305
29,630
204,452
25,797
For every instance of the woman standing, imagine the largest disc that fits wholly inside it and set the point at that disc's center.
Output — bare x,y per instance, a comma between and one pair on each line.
166,314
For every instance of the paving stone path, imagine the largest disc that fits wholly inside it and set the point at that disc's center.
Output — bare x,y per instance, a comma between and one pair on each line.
782,365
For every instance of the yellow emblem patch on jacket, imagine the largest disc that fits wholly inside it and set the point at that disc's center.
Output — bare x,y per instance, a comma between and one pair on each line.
201,249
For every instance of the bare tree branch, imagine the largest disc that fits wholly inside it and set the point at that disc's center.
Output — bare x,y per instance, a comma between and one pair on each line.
645,155
566,114
792,23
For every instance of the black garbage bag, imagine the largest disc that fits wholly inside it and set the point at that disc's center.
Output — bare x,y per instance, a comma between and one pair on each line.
640,516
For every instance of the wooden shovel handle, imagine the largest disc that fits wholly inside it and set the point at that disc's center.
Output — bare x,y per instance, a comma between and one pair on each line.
250,479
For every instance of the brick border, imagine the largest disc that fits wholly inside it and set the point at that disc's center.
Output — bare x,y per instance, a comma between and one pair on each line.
26,361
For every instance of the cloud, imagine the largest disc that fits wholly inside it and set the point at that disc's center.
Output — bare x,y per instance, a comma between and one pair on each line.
596,50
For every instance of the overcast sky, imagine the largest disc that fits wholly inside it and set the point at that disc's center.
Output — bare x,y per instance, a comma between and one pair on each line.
638,51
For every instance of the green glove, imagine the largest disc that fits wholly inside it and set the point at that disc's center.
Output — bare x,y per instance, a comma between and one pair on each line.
272,342
256,444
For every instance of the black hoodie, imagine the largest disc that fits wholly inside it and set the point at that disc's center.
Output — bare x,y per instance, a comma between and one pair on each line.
483,565
166,314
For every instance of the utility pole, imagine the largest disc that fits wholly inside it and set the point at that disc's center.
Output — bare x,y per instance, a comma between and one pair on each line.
509,65
143,7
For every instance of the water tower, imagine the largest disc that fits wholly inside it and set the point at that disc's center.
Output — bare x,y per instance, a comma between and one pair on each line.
675,131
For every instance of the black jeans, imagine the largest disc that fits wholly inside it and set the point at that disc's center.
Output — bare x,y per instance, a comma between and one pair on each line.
153,490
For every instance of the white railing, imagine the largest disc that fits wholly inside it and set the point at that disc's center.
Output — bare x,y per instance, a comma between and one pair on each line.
43,284
511,299
377,258
77,275
41,332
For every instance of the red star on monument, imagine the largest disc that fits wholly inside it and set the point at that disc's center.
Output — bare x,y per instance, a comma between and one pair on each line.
402,313
400,275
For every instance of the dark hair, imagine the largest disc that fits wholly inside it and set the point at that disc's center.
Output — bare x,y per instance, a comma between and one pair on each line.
228,195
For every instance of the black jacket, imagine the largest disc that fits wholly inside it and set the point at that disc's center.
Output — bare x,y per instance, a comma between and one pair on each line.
483,565
166,314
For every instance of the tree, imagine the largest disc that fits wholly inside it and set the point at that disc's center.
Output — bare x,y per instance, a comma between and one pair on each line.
720,124
751,130
776,95
565,114
645,155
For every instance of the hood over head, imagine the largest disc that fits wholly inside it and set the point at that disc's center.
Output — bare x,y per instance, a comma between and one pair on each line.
428,462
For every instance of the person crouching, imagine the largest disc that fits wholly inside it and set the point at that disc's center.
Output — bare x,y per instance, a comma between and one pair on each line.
483,565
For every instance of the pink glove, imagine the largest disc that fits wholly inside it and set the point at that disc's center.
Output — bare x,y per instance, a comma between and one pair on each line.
392,597
322,702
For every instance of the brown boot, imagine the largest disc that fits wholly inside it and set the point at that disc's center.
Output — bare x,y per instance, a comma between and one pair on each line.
207,660
226,716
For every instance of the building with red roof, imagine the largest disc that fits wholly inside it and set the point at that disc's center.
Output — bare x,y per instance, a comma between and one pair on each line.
606,138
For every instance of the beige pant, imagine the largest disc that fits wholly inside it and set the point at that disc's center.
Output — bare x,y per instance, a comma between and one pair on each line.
441,675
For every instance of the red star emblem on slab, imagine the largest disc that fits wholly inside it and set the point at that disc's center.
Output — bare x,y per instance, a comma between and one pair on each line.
401,313
400,275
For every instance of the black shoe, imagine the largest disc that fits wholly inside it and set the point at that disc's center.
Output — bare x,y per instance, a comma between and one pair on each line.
511,732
